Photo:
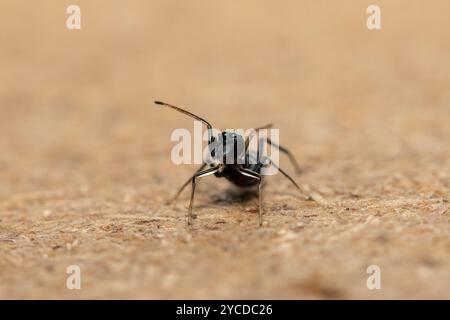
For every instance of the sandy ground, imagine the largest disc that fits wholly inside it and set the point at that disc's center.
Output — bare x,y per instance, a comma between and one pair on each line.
85,157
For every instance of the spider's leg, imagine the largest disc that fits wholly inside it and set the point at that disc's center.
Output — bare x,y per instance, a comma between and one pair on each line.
287,176
256,176
250,136
288,153
175,197
270,162
196,175
304,189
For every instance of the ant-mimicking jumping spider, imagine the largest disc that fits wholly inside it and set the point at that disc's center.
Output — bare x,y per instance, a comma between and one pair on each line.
241,173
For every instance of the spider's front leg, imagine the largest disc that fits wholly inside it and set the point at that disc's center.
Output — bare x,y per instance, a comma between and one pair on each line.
256,176
196,175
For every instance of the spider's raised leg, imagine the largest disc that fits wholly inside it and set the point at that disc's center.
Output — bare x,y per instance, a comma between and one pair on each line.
196,175
258,177
175,197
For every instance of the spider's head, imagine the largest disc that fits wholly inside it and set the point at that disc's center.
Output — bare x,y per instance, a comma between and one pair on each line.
229,148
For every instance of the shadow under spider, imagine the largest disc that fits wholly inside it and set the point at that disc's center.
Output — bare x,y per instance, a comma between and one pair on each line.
237,195
234,194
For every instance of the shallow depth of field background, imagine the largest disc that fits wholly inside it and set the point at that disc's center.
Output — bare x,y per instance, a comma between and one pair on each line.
85,157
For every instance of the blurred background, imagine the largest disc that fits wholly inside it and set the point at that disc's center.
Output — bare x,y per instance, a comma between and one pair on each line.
85,156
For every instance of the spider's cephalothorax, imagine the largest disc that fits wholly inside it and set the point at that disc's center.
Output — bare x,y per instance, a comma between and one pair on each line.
228,148
230,154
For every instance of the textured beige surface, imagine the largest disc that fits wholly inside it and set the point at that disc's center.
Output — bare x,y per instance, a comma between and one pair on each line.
85,158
